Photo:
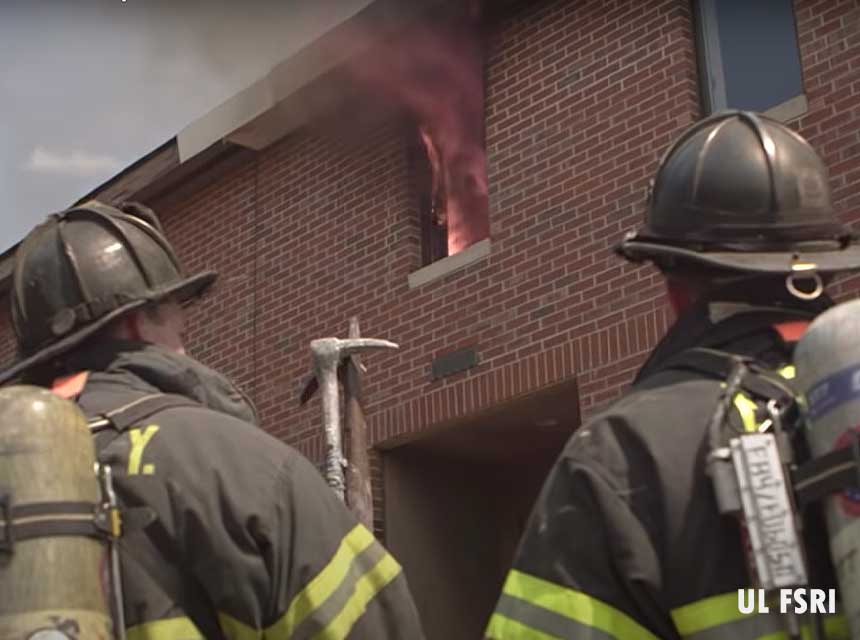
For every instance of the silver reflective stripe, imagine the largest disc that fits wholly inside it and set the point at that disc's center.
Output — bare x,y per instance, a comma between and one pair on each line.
546,621
532,608
322,616
746,628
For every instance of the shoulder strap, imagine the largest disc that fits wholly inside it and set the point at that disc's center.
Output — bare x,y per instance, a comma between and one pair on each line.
182,587
764,383
132,413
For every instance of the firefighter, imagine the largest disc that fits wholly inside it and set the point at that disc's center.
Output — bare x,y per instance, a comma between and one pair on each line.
245,540
626,540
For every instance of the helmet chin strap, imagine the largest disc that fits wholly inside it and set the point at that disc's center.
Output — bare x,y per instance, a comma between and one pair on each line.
803,284
682,295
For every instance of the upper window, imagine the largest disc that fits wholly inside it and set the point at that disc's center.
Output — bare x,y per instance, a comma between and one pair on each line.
748,54
432,72
434,231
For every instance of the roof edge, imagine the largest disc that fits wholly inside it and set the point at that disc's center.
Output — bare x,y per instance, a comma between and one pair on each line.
280,101
7,263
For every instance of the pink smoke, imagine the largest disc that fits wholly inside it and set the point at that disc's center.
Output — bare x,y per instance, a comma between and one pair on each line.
435,70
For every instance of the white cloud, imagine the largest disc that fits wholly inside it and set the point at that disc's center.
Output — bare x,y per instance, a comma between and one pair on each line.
72,163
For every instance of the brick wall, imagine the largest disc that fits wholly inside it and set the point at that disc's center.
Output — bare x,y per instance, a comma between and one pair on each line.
582,98
829,36
579,107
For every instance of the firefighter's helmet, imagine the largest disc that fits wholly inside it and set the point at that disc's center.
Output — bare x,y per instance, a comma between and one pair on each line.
85,267
741,191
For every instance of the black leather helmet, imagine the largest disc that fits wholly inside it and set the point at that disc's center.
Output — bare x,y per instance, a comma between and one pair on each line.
83,268
742,191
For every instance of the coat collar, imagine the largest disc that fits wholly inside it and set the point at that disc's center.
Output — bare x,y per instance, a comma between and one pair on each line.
150,368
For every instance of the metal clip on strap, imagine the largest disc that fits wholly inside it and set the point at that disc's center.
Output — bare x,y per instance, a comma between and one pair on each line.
719,463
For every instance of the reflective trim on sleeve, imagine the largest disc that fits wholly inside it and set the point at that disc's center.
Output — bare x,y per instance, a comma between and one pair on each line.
235,630
718,618
504,628
364,591
531,607
332,602
167,629
721,614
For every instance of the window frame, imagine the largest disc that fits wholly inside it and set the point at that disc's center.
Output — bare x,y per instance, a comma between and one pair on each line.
711,70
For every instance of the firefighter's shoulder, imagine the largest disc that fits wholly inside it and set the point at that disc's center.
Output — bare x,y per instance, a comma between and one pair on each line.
196,442
658,421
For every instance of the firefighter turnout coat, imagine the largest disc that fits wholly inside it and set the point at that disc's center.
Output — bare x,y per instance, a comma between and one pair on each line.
625,541
245,540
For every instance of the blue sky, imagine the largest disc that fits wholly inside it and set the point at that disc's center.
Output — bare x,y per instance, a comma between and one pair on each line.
88,87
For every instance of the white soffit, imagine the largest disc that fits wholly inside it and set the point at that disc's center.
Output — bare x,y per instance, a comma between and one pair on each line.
258,115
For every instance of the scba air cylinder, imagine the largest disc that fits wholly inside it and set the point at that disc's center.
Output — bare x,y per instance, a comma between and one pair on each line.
827,359
51,587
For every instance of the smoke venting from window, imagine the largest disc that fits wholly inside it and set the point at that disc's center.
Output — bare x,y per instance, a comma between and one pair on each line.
434,69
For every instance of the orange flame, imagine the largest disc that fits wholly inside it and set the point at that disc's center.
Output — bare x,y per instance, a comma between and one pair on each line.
435,69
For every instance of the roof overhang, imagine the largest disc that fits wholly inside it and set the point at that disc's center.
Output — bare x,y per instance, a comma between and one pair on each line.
297,90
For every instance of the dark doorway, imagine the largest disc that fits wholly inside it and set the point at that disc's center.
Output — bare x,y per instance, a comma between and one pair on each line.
457,500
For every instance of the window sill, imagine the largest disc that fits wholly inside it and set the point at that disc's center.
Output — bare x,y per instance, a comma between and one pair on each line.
450,264
789,110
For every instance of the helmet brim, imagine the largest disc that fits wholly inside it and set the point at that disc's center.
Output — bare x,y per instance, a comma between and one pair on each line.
184,292
191,289
775,262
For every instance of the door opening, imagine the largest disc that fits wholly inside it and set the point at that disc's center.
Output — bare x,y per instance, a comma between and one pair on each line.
457,501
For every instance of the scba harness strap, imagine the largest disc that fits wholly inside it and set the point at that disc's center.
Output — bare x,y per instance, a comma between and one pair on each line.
27,521
110,424
180,586
19,522
760,381
812,479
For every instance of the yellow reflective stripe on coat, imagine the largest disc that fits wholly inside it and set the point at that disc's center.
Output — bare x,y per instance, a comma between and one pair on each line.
788,372
534,608
746,408
719,618
167,629
365,589
332,602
